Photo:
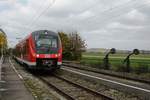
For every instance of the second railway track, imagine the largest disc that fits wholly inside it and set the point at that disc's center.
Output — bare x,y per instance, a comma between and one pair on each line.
123,76
142,90
72,90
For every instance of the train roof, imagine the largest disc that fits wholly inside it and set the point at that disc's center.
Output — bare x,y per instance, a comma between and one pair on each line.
43,31
35,33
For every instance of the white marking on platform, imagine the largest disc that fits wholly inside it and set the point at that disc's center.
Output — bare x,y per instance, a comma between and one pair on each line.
15,70
3,90
2,81
111,81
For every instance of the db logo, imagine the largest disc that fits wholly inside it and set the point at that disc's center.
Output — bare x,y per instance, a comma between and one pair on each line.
47,56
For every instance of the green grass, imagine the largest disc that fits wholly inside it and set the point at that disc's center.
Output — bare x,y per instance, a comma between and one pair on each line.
116,60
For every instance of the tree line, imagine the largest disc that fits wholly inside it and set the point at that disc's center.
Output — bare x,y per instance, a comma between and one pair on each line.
73,45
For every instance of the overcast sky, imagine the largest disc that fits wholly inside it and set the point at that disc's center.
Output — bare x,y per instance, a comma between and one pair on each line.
122,24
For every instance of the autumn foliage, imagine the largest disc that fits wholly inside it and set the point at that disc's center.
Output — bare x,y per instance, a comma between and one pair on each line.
73,45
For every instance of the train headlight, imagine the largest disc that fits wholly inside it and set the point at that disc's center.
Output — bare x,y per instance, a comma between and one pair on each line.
59,54
37,55
56,55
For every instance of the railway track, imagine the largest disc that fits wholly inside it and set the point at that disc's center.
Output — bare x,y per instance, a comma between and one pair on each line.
45,77
68,89
109,74
75,91
140,89
72,90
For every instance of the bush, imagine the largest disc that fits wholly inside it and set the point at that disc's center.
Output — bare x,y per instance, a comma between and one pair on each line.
67,55
97,65
119,68
148,68
82,62
141,68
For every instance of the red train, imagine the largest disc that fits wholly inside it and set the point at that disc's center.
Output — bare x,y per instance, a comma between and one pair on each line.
41,49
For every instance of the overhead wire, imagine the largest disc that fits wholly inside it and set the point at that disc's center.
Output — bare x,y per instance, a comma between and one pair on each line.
88,8
110,17
37,18
121,14
95,16
110,9
26,26
53,1
36,12
102,12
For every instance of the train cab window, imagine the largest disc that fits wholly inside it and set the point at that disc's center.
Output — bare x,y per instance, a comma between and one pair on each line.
49,41
46,43
54,43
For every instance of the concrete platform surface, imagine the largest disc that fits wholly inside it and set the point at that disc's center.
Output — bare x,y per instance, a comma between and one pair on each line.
13,88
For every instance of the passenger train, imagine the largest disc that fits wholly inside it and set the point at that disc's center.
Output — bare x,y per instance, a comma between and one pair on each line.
41,49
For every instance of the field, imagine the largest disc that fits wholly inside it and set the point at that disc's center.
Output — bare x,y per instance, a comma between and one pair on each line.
116,60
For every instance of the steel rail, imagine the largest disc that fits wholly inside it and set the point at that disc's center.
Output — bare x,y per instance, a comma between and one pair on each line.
144,92
109,74
67,96
104,97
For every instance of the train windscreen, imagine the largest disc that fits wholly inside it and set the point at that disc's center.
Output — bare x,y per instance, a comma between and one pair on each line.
46,44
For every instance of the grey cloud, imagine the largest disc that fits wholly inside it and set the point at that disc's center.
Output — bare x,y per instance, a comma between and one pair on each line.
102,23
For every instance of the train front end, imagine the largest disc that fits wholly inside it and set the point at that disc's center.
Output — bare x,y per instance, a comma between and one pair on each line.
48,50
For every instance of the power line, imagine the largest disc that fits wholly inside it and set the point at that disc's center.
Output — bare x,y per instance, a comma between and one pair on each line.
111,9
32,18
115,16
107,10
111,17
53,1
93,6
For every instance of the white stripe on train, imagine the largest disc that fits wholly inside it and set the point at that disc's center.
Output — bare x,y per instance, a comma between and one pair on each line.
31,63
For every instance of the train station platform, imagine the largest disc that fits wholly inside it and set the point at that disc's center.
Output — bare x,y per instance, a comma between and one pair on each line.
12,87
